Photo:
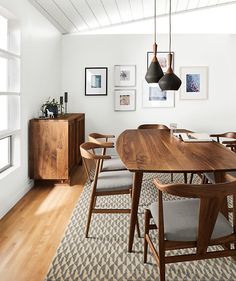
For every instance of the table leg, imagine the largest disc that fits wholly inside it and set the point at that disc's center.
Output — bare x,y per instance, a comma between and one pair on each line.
138,176
220,177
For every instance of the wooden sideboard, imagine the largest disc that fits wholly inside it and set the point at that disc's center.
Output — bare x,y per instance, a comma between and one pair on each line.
54,146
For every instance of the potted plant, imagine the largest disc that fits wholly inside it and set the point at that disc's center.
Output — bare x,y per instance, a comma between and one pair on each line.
52,106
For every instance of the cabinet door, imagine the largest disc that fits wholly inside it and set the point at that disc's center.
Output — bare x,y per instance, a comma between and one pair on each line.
49,149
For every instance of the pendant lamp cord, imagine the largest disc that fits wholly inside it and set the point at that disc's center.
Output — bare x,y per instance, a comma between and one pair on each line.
170,27
155,19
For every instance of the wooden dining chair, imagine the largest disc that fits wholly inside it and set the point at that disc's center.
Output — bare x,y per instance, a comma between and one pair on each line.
112,164
190,223
153,126
161,127
231,144
105,183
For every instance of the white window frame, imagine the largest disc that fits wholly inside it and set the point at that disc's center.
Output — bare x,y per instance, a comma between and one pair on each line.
9,154
12,53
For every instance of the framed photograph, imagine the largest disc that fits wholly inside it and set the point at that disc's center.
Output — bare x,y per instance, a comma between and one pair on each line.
162,58
125,75
153,96
125,100
95,81
194,82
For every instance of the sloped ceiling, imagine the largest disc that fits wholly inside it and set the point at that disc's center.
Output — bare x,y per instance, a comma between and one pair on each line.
76,16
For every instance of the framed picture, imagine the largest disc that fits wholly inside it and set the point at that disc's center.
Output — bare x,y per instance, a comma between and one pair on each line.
125,100
162,59
125,75
194,82
153,96
95,81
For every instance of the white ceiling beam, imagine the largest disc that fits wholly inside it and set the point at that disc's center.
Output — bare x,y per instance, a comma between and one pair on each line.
68,10
99,12
148,7
84,10
161,7
112,11
58,15
136,9
124,8
182,5
92,12
48,15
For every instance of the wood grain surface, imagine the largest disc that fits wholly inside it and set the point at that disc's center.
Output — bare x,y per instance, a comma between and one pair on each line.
54,146
159,151
31,232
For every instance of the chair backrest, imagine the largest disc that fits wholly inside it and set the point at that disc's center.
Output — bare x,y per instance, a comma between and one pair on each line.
211,198
231,135
153,126
88,152
99,138
231,143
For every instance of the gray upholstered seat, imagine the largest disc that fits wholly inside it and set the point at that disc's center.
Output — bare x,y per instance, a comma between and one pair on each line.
114,180
113,164
181,220
211,177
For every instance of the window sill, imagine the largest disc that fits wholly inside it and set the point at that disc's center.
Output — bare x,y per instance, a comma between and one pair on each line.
8,172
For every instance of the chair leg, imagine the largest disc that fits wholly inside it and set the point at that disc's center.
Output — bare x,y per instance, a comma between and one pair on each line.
171,177
91,206
204,180
146,231
185,178
137,223
191,178
162,270
138,228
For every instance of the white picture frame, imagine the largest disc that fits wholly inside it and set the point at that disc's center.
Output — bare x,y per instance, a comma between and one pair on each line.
125,75
194,82
162,59
125,100
153,96
96,81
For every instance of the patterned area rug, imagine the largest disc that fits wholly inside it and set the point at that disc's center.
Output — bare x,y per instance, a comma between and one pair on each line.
104,255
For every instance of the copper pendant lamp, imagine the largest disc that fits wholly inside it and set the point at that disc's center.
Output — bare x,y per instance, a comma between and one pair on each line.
170,81
154,72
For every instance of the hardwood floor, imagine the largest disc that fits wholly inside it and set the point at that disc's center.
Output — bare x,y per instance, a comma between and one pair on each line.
31,232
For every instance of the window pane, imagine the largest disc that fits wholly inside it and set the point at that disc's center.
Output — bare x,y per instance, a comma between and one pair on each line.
4,153
14,75
3,113
3,33
3,74
13,113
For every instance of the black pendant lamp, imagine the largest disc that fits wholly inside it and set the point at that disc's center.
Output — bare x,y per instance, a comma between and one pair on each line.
170,81
154,72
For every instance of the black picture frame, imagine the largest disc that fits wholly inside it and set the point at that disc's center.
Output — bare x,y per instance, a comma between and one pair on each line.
96,81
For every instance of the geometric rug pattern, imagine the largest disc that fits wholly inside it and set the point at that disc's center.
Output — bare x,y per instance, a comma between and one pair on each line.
104,257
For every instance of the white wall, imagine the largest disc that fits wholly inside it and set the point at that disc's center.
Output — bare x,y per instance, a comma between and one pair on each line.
213,115
40,78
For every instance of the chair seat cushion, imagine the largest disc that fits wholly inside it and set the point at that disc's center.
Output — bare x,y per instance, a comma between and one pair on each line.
211,176
181,220
114,181
113,164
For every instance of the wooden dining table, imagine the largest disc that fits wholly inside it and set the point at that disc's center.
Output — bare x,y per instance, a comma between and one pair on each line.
159,151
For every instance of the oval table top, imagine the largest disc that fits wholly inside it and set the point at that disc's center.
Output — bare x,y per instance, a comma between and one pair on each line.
150,150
